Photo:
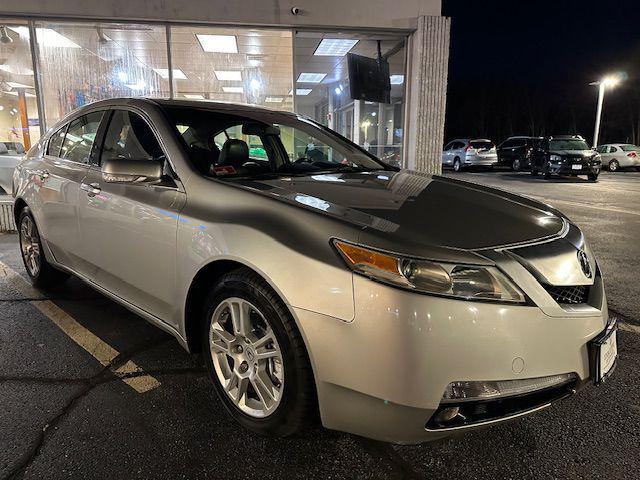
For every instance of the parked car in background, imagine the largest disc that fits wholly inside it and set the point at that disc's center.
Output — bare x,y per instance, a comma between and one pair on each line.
619,155
465,152
396,305
515,152
565,155
10,155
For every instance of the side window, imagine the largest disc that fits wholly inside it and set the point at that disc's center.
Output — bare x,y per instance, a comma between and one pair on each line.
80,136
602,149
130,137
55,142
302,147
507,144
448,146
257,151
613,149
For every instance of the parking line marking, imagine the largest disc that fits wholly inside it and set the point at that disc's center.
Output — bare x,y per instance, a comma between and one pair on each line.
553,201
93,344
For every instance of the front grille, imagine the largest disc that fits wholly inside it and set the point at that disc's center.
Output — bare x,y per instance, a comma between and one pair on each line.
573,294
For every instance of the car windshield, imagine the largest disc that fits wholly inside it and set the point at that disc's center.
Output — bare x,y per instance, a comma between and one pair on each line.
630,148
259,143
568,144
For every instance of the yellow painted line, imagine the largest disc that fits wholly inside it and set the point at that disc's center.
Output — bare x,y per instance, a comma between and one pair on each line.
93,344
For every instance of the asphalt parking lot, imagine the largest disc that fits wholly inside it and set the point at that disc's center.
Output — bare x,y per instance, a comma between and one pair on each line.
89,390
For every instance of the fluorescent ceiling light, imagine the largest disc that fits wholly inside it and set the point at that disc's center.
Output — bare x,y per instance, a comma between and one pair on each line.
396,79
232,89
311,77
18,85
16,70
274,99
218,43
194,96
26,94
48,37
302,91
164,73
335,47
234,75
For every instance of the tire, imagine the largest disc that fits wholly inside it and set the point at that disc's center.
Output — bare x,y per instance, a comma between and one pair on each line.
516,165
287,375
593,177
614,166
547,172
457,165
41,273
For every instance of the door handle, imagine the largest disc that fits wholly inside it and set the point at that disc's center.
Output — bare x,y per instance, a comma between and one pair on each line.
92,189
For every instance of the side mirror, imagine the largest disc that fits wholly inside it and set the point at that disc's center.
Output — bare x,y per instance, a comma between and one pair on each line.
121,170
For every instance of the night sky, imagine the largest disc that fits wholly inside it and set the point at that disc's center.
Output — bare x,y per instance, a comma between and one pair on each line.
524,67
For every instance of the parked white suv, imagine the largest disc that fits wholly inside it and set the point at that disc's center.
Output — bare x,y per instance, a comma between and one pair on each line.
461,153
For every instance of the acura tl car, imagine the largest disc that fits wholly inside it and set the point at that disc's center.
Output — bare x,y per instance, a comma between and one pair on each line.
316,280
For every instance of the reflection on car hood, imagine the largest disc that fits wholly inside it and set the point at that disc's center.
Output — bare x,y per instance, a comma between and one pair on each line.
574,153
411,207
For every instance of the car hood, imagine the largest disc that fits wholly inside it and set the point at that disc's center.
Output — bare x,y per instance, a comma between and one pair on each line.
408,207
574,153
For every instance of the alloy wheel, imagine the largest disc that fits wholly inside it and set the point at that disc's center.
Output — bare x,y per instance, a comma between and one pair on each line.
247,357
515,166
30,245
613,165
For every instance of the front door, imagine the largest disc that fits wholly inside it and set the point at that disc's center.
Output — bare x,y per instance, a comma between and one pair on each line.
64,167
129,230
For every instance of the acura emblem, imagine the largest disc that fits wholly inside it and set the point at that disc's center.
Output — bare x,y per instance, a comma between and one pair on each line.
583,260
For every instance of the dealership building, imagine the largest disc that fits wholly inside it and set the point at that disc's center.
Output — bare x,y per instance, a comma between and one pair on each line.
282,54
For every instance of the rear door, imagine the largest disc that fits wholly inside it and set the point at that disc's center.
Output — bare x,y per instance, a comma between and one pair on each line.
63,168
129,230
446,154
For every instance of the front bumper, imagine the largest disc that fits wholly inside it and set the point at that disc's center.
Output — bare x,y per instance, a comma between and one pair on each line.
383,374
567,168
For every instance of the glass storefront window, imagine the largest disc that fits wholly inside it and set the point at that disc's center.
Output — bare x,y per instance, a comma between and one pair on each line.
323,92
19,121
233,64
85,62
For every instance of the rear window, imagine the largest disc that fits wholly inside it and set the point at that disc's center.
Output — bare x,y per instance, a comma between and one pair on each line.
482,145
630,148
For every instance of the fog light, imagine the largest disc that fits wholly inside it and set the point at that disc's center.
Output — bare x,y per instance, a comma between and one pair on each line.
487,390
447,414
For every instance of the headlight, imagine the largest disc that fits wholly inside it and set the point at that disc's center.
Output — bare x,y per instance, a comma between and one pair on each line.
469,282
555,158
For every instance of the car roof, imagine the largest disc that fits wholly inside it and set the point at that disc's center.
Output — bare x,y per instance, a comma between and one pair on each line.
566,137
514,137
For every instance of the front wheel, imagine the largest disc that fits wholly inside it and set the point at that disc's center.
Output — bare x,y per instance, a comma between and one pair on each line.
256,357
41,273
457,165
614,166
593,177
516,165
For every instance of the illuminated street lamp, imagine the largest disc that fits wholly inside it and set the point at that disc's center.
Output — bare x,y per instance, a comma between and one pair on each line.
608,81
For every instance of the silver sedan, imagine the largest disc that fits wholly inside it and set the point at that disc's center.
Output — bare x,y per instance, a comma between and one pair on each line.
317,281
619,155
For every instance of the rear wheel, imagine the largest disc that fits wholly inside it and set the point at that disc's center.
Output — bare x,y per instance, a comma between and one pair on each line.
457,165
614,166
547,172
593,177
40,271
256,357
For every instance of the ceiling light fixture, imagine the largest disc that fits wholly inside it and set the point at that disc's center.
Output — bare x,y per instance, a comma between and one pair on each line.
396,79
301,91
274,99
218,43
311,77
16,70
18,85
164,73
232,75
334,47
194,96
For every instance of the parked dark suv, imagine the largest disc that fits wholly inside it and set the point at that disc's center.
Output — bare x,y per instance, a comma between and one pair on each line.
565,155
515,152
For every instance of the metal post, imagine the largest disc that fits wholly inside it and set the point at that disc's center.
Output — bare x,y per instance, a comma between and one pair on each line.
169,61
596,132
37,78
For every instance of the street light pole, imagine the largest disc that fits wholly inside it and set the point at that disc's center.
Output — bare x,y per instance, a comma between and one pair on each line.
596,132
609,81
